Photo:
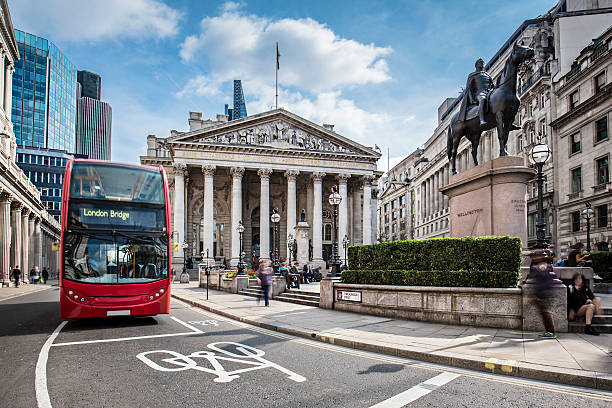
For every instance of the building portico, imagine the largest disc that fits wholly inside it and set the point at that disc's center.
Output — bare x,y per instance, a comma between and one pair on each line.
241,170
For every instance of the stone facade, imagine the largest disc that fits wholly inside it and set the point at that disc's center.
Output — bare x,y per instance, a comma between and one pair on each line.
583,146
557,38
223,172
27,231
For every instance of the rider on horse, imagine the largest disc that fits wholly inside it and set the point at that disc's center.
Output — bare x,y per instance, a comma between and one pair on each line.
478,85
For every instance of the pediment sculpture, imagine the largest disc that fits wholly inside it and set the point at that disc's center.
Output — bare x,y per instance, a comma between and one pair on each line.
278,134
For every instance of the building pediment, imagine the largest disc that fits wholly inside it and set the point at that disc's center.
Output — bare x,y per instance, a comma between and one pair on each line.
277,129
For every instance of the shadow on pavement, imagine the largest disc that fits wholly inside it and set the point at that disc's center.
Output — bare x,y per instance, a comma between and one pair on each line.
382,368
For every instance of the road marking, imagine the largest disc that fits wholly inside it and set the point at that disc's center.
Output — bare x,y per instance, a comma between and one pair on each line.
40,378
151,336
248,355
416,392
523,382
205,322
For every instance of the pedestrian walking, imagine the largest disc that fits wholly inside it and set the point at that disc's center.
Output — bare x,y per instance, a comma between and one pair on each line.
305,272
35,275
16,275
45,275
264,277
541,270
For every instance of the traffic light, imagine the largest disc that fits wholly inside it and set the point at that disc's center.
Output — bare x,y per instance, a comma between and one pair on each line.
55,246
176,246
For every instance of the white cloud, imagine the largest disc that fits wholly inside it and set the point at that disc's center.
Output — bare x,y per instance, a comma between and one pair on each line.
76,20
313,57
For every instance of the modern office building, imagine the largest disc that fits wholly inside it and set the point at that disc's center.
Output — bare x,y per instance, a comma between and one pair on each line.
44,95
45,168
239,110
91,84
93,119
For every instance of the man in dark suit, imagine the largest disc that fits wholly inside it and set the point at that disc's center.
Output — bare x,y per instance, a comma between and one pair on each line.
16,275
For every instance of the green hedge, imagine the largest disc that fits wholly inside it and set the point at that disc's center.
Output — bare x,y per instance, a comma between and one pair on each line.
478,279
439,254
602,264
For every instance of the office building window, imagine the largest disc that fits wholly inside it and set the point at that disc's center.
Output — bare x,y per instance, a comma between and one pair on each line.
386,218
601,129
575,143
542,99
576,180
543,127
402,213
394,215
602,215
600,81
575,221
403,200
394,204
574,99
603,170
386,207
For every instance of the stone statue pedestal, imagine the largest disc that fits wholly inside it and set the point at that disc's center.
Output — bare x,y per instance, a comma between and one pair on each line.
489,199
301,235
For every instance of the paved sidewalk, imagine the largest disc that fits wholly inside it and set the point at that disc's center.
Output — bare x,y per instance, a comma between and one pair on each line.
24,289
572,358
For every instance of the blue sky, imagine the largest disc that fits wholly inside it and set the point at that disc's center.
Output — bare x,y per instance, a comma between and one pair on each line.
377,70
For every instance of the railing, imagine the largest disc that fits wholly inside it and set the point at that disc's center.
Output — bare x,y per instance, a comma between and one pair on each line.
533,79
573,73
599,52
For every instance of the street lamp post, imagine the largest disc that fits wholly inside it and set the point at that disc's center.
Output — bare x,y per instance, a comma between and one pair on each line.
185,247
240,230
538,155
587,214
334,200
275,218
345,245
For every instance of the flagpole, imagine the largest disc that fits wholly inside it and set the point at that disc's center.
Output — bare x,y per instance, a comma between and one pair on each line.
276,75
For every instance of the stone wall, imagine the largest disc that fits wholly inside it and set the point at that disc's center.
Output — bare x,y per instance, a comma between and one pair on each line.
485,307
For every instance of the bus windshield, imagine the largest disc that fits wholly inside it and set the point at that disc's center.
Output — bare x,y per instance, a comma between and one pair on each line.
118,259
104,181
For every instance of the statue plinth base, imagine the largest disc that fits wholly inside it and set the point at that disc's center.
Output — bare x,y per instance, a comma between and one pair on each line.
490,199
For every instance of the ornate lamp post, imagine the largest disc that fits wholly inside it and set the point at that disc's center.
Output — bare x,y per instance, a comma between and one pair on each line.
275,218
290,242
345,245
185,247
334,200
240,230
538,155
587,214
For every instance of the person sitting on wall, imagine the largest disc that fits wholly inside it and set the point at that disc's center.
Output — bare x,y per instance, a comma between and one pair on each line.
582,302
574,259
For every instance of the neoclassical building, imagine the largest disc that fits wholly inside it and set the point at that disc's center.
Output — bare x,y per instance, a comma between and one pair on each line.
27,231
221,173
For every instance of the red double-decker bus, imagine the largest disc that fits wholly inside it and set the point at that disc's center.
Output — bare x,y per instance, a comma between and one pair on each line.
115,245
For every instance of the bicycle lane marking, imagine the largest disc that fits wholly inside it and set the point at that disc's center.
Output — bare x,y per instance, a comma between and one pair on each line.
40,377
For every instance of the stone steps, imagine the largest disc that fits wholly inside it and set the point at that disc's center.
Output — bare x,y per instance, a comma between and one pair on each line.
294,296
578,327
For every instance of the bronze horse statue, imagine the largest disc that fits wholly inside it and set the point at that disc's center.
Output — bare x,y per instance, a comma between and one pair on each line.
502,106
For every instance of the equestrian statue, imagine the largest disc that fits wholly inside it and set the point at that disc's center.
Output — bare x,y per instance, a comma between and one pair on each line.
485,106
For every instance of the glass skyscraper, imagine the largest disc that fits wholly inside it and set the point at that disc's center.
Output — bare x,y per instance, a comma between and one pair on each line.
44,95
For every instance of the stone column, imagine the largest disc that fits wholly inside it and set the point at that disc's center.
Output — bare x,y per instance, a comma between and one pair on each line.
291,201
357,234
179,206
264,213
486,148
309,201
5,231
37,244
237,173
342,208
429,196
8,80
446,181
25,243
367,210
436,192
32,242
208,210
317,219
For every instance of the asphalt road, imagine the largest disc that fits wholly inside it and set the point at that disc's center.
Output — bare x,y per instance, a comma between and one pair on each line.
193,358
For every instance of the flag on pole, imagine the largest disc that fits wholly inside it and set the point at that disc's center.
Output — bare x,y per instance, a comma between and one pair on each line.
277,57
